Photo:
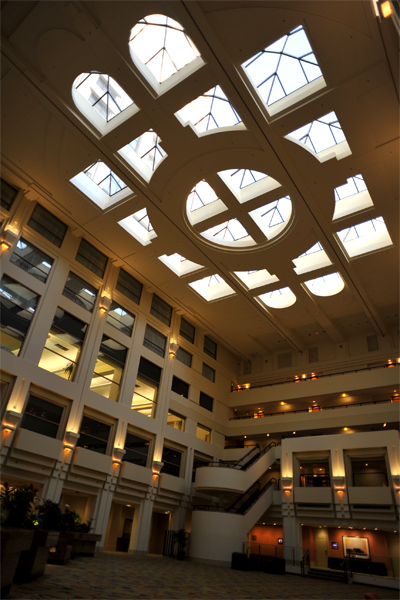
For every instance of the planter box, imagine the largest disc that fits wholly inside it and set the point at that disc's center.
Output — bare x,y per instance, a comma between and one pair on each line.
63,550
13,542
85,544
32,562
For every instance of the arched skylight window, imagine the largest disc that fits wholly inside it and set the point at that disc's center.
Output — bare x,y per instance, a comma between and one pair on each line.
273,217
313,258
365,237
203,203
144,153
161,48
100,98
179,264
209,111
255,279
139,227
328,285
247,184
101,185
323,137
231,232
212,287
285,67
351,197
281,298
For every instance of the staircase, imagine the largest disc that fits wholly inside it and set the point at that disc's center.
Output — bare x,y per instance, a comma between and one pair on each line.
328,575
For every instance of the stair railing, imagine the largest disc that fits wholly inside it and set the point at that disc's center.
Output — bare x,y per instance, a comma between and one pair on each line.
305,562
261,492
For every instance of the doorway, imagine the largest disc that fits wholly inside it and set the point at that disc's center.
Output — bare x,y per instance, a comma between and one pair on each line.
159,525
321,548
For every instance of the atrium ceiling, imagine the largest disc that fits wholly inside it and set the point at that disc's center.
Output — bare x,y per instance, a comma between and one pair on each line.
47,141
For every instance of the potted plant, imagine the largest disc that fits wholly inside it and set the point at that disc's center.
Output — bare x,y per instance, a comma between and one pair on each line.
16,538
181,540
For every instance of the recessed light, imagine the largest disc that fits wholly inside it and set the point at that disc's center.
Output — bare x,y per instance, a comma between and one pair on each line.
384,424
294,433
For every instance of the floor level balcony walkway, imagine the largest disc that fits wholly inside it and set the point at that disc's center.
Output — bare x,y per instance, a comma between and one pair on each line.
118,576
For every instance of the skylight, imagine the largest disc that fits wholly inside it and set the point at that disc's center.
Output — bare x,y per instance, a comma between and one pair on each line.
105,178
138,225
313,258
285,67
328,285
101,185
365,237
144,153
203,203
230,232
179,264
273,217
209,111
323,137
255,279
212,288
161,48
103,93
101,99
246,184
351,197
281,298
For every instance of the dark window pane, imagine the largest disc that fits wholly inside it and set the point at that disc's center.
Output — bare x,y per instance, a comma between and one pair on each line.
113,350
149,370
129,286
187,330
180,387
42,416
80,292
91,258
32,260
197,462
137,449
208,372
109,368
18,305
210,347
155,341
94,435
120,318
8,194
206,401
47,225
172,461
161,310
184,357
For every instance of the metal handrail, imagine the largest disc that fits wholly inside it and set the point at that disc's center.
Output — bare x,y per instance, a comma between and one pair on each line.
306,410
226,509
305,561
333,374
236,465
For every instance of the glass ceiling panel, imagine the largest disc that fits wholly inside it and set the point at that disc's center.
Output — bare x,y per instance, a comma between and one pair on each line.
103,93
272,214
283,67
105,178
147,147
209,111
201,194
354,185
365,237
162,45
242,178
281,298
316,248
366,229
142,218
321,134
231,230
328,285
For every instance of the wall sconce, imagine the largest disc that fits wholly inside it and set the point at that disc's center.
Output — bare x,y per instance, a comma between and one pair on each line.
296,379
157,466
390,364
118,455
70,439
8,237
287,483
12,419
396,481
385,8
8,428
173,349
313,377
105,303
339,483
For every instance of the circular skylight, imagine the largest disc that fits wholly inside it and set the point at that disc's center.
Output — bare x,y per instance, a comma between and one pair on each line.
218,214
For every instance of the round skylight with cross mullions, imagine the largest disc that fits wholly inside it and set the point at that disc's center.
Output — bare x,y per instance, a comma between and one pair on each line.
238,208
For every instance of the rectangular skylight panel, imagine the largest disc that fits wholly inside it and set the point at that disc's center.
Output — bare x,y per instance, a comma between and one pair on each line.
354,185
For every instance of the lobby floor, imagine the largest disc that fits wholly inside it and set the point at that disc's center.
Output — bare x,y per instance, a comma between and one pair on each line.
114,576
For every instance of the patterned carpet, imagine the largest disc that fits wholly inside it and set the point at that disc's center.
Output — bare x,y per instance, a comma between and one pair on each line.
114,576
